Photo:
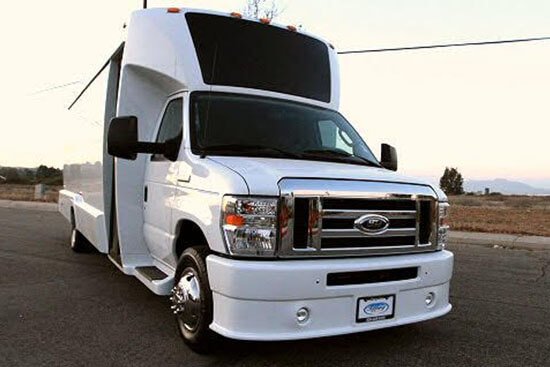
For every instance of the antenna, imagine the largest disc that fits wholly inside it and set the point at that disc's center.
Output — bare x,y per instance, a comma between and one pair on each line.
144,4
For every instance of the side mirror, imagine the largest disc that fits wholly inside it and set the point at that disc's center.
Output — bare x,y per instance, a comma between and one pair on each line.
388,158
122,139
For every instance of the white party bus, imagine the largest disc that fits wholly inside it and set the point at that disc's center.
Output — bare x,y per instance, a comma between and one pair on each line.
214,166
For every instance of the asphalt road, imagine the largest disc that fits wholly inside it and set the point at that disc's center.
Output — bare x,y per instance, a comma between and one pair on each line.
59,308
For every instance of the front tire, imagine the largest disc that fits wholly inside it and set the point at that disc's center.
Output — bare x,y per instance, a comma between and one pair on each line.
192,300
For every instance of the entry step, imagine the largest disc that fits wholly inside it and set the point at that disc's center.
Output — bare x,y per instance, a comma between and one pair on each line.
151,273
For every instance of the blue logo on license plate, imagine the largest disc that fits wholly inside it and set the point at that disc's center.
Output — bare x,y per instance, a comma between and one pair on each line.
376,308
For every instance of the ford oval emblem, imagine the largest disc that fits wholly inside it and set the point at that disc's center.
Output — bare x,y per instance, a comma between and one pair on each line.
376,308
372,224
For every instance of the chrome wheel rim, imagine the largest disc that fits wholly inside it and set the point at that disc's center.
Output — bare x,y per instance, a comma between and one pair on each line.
186,300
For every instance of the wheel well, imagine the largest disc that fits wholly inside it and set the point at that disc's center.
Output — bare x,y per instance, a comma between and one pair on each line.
188,234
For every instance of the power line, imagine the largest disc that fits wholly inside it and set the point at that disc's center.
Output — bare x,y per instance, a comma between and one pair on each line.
372,50
444,45
55,87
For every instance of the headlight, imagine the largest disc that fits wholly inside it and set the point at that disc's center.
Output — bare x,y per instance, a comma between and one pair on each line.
443,226
249,225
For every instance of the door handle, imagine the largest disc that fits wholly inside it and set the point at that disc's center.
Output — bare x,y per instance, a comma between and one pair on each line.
145,193
185,179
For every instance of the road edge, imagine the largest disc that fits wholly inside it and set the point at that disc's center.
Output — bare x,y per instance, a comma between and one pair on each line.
31,205
512,241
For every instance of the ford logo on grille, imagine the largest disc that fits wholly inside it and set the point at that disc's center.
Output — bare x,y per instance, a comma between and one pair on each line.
372,224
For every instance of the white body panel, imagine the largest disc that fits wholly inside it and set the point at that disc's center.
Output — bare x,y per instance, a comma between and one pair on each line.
162,42
265,309
263,174
256,300
160,182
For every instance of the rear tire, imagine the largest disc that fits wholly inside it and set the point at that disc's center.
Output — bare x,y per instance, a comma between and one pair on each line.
192,300
79,243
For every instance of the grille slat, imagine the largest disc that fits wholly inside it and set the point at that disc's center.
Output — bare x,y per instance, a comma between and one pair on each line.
352,232
342,223
351,213
369,204
366,242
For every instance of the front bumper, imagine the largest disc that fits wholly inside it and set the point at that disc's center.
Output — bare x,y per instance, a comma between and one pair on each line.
258,300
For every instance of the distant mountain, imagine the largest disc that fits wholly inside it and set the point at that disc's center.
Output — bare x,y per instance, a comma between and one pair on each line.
504,186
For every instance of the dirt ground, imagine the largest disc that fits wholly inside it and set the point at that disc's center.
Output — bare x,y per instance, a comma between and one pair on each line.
513,214
26,193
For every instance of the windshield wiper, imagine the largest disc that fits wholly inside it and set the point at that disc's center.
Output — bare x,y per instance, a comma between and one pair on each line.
247,148
344,156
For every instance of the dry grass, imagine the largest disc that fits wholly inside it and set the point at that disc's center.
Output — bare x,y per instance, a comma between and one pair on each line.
26,193
513,214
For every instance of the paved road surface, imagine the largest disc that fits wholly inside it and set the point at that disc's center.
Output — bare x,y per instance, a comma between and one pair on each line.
60,308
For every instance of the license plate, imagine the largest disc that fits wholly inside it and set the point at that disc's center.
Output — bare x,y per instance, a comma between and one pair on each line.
375,308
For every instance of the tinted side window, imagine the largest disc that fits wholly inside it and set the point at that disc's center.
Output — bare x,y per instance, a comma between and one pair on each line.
171,126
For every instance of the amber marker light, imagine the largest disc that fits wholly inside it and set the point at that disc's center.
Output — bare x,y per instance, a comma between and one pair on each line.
173,10
265,20
235,220
236,15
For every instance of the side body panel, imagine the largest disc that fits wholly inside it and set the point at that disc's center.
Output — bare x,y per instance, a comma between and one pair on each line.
143,94
87,174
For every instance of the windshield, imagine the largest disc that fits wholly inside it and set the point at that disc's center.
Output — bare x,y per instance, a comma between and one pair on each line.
241,125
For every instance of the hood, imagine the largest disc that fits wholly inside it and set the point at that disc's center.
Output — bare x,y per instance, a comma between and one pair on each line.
262,175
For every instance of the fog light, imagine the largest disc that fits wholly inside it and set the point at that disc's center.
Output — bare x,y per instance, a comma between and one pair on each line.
302,315
430,299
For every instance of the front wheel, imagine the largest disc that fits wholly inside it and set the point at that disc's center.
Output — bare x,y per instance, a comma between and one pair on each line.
192,300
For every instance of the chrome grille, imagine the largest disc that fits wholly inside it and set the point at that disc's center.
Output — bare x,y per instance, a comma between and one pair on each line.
338,223
319,218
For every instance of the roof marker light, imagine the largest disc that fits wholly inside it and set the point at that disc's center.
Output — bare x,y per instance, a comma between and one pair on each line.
265,20
236,15
173,10
291,28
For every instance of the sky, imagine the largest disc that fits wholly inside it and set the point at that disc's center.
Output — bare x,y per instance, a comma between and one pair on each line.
484,110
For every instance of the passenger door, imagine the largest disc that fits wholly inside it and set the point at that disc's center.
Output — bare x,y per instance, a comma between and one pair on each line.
160,183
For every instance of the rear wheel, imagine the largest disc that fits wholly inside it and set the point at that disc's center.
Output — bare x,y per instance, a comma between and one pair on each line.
192,300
